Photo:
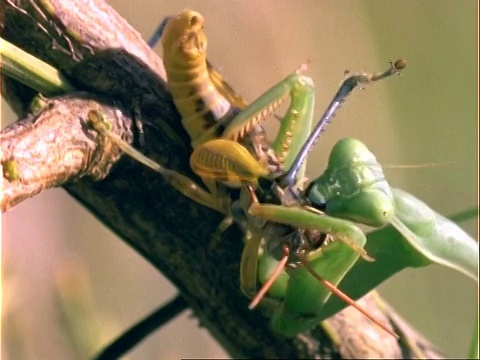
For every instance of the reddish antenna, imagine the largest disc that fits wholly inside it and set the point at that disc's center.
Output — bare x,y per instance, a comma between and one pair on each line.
342,296
278,270
335,291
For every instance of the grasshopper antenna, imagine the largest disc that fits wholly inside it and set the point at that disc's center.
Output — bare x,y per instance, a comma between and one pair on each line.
341,295
345,89
157,35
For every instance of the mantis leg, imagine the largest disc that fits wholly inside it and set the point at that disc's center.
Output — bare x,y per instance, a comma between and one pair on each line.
180,182
220,160
310,286
341,229
348,233
305,296
296,123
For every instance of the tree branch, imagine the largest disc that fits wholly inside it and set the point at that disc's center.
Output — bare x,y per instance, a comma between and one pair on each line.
56,146
103,55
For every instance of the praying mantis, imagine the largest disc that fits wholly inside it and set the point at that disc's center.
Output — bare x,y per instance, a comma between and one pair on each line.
229,151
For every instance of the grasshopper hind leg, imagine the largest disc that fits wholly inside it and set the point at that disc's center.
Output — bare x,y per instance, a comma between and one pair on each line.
221,228
180,182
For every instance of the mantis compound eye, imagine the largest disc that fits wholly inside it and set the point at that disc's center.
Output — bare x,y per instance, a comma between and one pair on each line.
315,196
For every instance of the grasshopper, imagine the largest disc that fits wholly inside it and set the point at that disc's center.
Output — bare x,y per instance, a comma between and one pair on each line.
288,224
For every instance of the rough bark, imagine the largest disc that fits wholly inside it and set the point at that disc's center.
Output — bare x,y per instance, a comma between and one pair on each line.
117,72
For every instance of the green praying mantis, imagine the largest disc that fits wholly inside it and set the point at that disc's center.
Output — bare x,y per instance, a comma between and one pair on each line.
296,232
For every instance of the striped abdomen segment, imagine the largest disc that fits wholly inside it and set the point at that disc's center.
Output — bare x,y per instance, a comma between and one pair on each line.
226,161
184,56
196,98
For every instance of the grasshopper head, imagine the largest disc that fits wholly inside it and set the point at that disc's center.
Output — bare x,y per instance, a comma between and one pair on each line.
184,35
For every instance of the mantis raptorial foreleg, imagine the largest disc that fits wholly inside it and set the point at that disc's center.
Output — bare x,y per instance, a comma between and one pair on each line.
237,164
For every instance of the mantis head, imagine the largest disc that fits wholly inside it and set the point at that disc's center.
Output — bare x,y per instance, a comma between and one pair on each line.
353,187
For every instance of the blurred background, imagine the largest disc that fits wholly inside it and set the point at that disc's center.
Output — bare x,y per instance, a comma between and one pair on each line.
54,249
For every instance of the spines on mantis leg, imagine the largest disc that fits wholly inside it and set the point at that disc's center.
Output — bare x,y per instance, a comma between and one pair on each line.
295,124
298,88
194,94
